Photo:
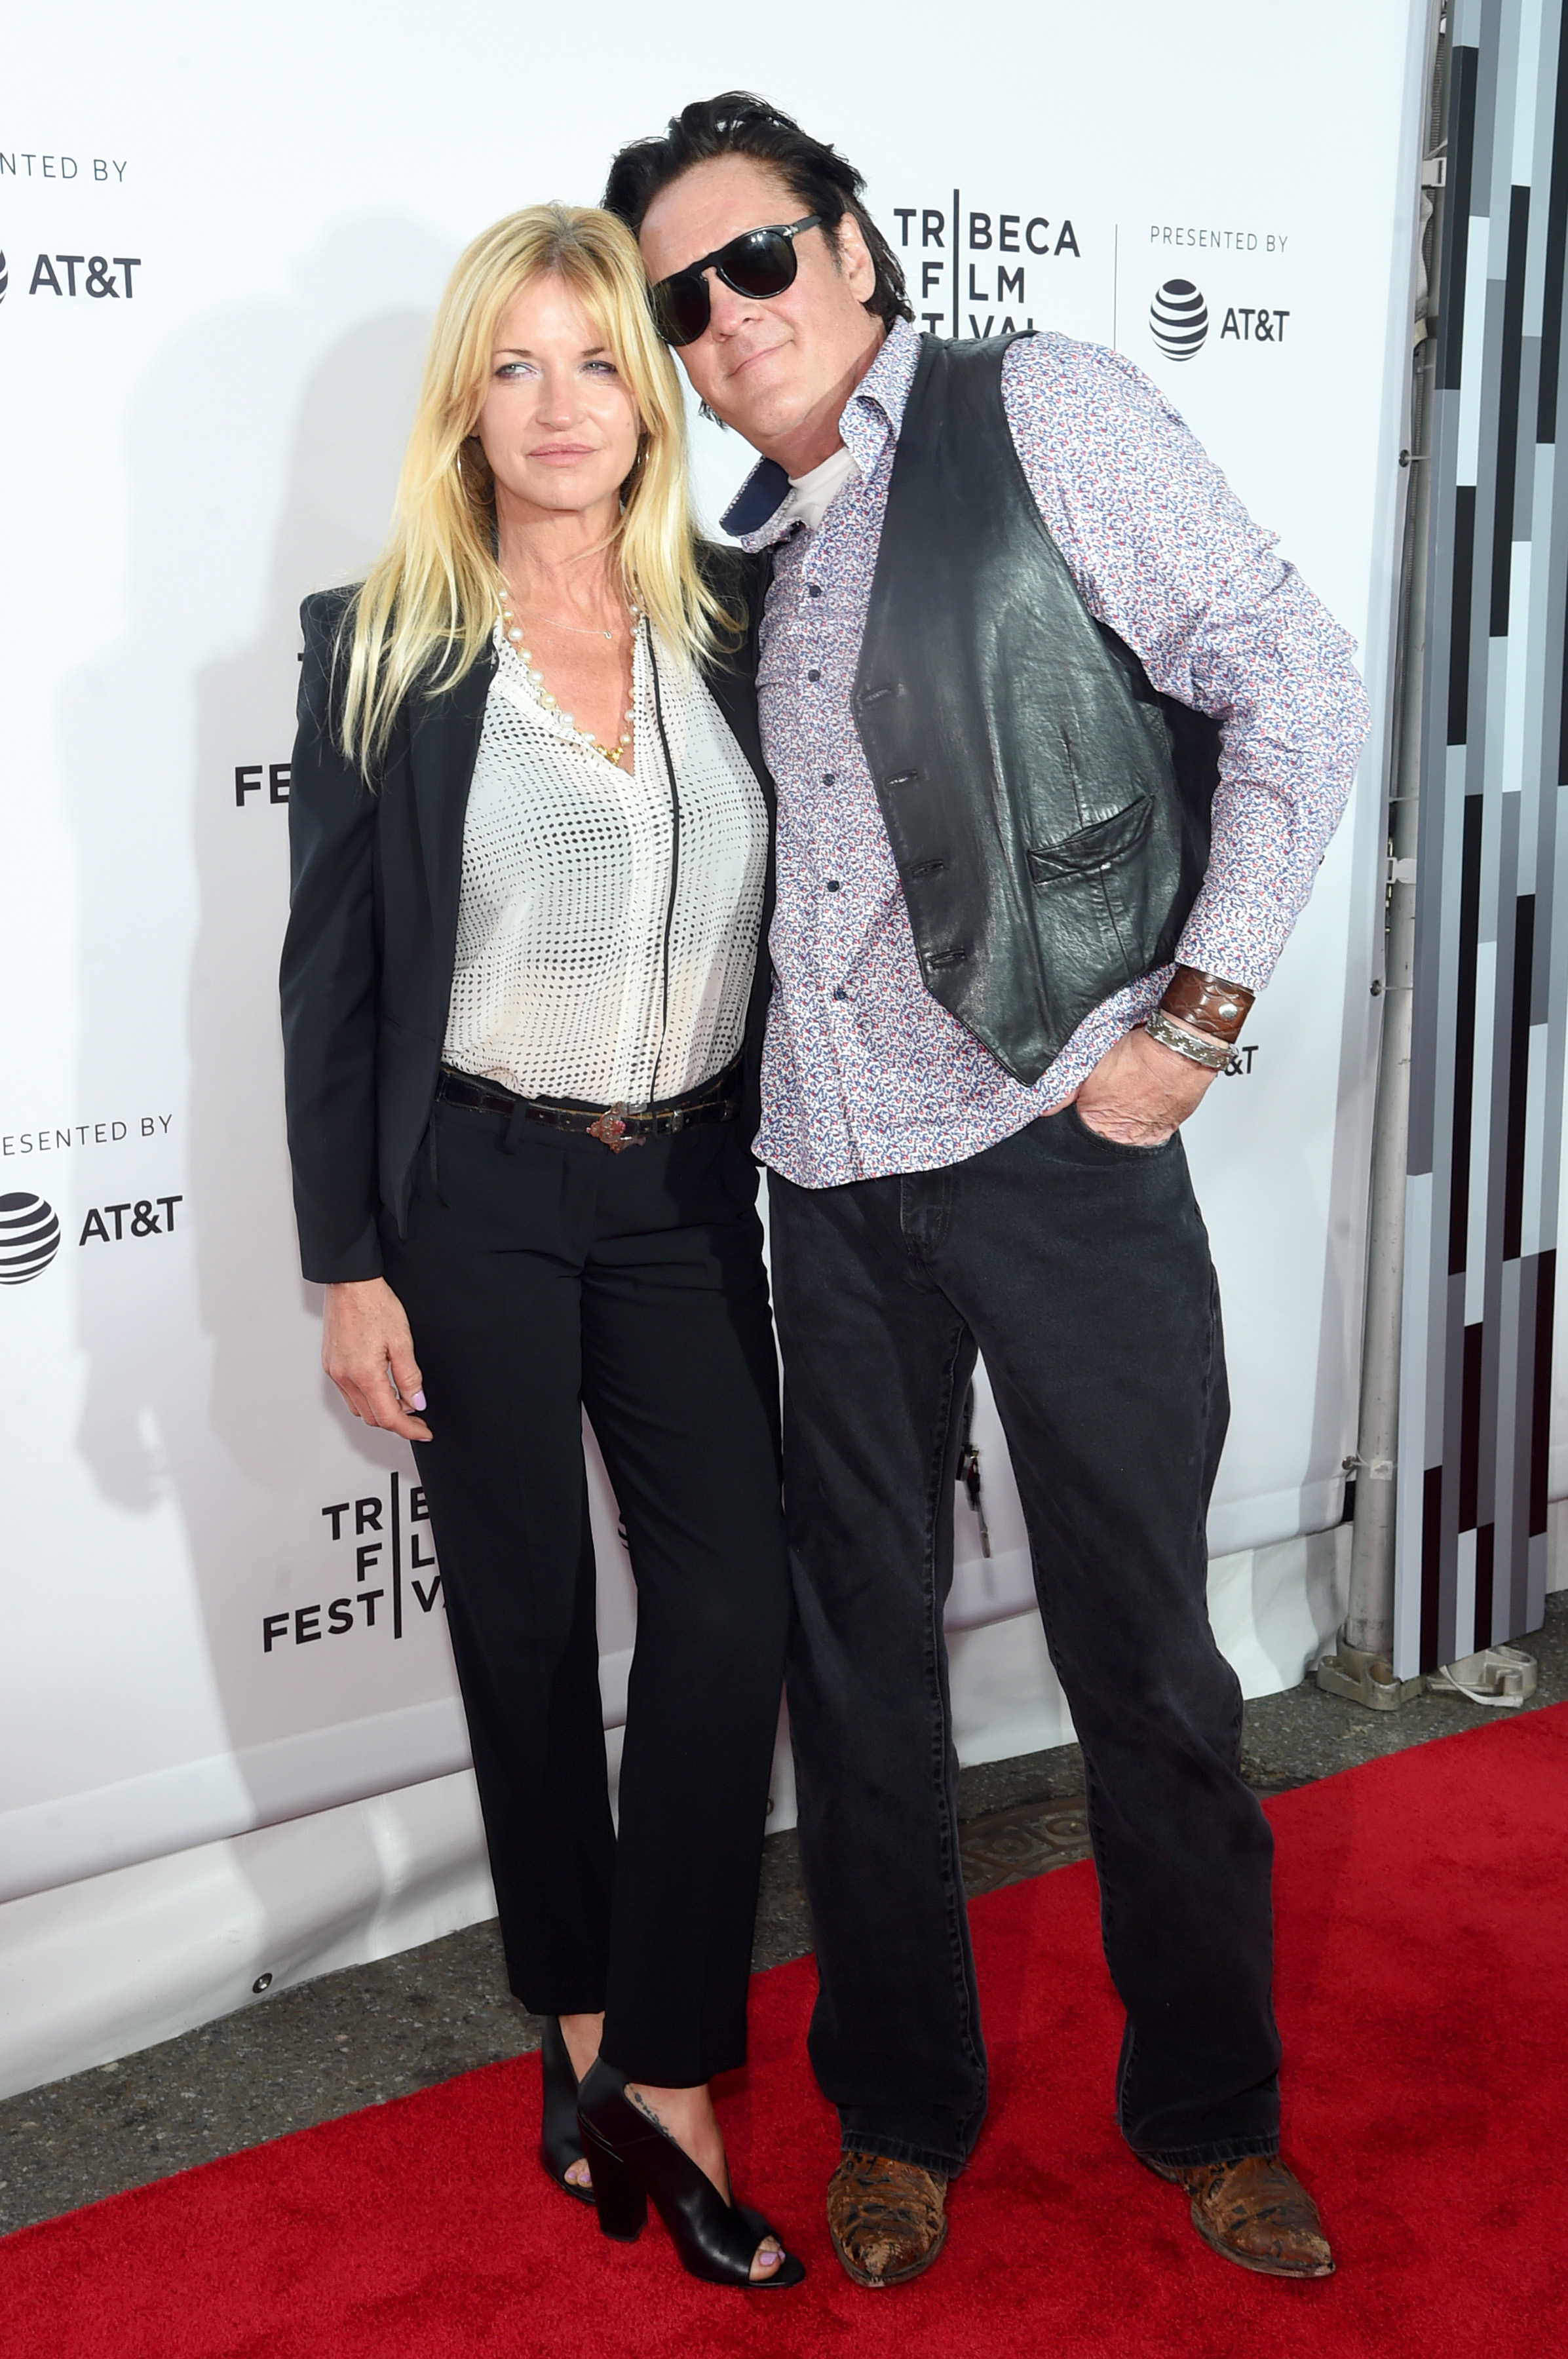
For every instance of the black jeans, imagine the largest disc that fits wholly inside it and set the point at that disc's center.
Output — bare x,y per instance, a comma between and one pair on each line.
541,1273
1081,1268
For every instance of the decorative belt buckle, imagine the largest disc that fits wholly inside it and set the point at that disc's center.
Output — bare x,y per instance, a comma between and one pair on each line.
610,1127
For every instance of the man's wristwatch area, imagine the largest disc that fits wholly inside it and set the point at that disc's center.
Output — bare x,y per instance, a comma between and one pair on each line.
1208,1005
1214,1054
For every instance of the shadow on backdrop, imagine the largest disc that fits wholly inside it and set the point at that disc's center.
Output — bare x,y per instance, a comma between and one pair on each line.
214,1394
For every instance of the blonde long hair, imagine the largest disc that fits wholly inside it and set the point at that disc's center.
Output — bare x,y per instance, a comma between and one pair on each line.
425,611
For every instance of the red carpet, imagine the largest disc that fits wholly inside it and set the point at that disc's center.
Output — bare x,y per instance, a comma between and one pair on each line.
1422,1910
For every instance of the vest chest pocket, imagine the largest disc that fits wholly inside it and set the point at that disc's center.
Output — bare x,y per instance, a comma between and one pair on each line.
1108,889
1094,849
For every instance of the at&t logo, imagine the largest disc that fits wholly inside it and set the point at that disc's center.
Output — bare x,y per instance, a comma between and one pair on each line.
1178,321
102,275
29,1229
29,1237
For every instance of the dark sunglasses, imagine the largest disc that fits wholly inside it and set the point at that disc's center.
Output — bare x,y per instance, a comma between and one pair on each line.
759,263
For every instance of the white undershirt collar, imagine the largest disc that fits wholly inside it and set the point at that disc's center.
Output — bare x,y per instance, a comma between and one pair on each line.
811,495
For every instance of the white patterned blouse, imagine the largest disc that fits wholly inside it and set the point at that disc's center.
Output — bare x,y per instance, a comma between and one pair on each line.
608,921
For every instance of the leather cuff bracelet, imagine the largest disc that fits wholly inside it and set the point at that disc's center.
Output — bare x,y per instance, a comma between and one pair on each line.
1214,1054
1207,1003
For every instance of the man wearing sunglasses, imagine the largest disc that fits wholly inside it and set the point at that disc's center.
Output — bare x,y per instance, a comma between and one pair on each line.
1059,743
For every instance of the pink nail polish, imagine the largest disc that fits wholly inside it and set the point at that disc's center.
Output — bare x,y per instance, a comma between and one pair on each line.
418,1400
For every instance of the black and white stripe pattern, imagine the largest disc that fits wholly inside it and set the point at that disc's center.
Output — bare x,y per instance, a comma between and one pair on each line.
1492,913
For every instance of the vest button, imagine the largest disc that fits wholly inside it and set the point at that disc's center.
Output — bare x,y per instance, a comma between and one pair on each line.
830,778
832,884
813,589
839,992
814,673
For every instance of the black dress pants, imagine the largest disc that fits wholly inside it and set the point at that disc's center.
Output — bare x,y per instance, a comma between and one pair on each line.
541,1274
1081,1268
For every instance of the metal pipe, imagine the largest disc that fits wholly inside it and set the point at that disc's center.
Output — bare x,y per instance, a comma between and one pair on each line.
1369,1622
1361,1667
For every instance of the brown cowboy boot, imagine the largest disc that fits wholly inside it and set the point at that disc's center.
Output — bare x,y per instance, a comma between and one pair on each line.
886,2219
1256,2214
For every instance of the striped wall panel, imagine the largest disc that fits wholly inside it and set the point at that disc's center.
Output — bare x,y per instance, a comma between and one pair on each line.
1491,979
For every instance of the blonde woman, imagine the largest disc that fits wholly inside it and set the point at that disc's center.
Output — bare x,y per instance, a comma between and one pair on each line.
522,1002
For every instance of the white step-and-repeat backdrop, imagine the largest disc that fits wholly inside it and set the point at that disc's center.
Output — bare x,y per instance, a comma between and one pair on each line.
223,234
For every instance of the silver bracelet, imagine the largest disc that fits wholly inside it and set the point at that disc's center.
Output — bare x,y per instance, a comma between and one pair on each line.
1215,1054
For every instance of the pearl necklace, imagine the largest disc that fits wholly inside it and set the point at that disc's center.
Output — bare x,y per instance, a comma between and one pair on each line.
611,752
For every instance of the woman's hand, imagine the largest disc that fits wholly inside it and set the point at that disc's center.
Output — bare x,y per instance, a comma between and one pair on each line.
368,1352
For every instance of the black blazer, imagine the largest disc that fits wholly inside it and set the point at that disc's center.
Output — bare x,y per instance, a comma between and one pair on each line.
372,934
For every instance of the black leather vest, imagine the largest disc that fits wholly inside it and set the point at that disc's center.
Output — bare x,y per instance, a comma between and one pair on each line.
1048,810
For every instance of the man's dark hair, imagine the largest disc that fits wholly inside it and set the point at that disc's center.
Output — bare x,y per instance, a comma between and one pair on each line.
736,124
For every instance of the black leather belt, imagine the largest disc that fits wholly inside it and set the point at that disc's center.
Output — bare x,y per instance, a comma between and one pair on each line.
615,1125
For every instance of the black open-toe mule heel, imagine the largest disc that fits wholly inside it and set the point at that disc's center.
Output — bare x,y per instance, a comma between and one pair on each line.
631,2159
560,2140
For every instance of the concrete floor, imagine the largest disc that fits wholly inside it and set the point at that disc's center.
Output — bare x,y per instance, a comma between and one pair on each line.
372,2032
